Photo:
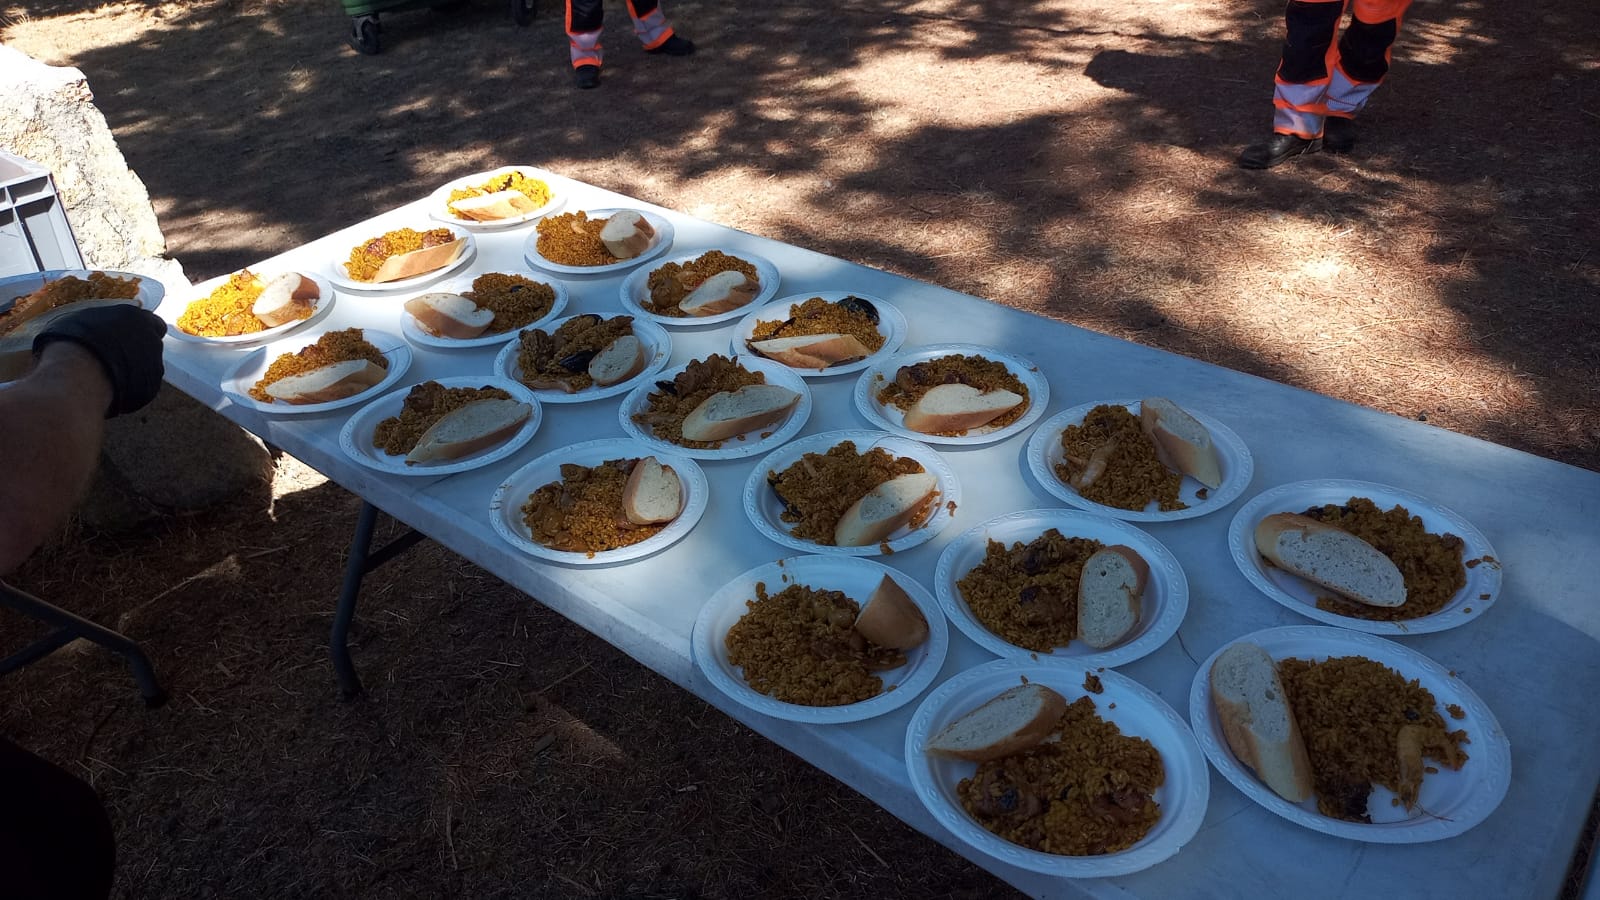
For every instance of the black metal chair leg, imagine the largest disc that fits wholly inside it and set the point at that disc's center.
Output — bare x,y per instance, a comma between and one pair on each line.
69,627
356,567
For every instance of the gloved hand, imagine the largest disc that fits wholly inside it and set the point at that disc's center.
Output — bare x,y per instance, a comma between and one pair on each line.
126,340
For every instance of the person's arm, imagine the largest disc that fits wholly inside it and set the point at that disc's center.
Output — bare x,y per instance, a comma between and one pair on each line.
91,365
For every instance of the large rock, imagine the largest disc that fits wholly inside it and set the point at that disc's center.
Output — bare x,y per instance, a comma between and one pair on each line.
176,455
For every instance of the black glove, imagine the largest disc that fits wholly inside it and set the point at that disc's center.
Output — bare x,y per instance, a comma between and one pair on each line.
126,340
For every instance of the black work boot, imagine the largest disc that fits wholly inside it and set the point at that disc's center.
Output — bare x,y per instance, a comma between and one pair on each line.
1338,134
674,46
586,77
1276,149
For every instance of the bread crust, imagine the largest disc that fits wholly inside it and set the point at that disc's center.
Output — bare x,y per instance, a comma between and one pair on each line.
311,387
922,418
493,206
598,366
817,351
855,530
1271,528
1132,600
427,451
627,234
419,262
705,301
1283,766
434,320
700,426
1027,734
890,618
286,298
642,470
1197,460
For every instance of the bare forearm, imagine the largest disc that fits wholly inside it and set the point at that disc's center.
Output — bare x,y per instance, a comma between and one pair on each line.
53,424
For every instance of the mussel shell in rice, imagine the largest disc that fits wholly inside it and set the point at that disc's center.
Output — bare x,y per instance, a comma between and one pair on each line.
862,306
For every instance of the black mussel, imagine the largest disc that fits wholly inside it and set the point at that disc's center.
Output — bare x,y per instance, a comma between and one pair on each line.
862,306
517,288
576,362
670,388
772,482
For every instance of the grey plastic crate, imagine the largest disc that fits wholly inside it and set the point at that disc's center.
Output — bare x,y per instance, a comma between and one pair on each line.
34,234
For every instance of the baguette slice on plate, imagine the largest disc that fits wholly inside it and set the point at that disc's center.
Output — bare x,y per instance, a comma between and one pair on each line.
286,298
470,428
1181,441
890,618
449,315
627,234
730,413
495,205
653,494
335,381
1331,557
419,262
813,351
1109,592
720,293
958,407
885,508
1258,722
622,359
1011,722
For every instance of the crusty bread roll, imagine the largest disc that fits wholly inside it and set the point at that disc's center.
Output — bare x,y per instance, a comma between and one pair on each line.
1258,722
729,413
286,298
419,262
1181,441
1109,592
494,205
812,351
1331,557
1008,723
627,234
720,293
619,361
653,494
958,407
890,618
885,508
449,315
470,428
335,381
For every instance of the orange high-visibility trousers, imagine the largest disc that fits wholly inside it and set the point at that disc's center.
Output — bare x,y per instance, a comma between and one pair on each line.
1318,78
583,28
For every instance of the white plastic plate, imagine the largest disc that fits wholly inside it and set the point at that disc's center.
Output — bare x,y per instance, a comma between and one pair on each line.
12,287
439,200
355,439
748,444
1045,453
1449,803
341,277
416,334
765,510
656,343
173,312
891,324
505,510
663,241
1473,600
891,418
636,288
239,380
1138,712
857,578
1161,609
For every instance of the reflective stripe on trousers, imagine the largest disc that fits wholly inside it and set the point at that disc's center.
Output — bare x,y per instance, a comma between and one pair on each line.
584,18
1317,77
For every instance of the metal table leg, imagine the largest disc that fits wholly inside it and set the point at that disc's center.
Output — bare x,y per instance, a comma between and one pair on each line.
359,563
69,627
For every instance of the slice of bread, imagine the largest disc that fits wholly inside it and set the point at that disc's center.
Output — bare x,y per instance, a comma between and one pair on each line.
720,293
885,508
813,351
449,315
1331,557
1109,593
470,428
890,618
730,413
1011,722
419,262
627,234
653,494
1181,441
958,407
286,298
1258,722
618,362
331,382
495,205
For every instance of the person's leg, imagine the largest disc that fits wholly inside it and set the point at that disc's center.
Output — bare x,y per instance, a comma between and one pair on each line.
55,837
650,24
1301,83
584,18
1359,64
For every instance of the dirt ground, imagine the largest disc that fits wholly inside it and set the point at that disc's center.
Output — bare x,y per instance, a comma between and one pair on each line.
1070,157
